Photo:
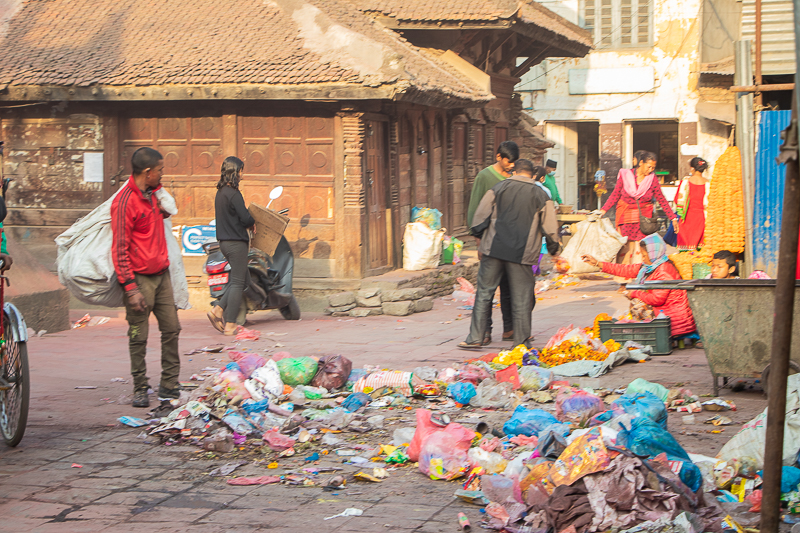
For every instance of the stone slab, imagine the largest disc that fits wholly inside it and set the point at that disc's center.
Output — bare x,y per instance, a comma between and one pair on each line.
361,312
397,295
341,298
403,308
423,304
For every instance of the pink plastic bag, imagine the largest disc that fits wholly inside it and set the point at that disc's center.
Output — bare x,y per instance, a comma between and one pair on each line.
248,362
444,453
244,334
280,355
472,373
277,441
576,405
425,428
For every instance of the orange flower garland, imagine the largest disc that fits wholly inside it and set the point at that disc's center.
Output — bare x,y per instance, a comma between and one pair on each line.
725,221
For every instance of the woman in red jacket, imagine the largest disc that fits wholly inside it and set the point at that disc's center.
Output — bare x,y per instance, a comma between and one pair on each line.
656,266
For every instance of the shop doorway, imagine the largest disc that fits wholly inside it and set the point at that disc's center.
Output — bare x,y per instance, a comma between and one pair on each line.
661,138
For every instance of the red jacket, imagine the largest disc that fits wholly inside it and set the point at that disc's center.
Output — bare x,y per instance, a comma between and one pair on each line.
674,303
140,245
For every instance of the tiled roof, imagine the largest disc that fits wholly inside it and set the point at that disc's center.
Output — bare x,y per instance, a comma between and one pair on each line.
527,11
86,43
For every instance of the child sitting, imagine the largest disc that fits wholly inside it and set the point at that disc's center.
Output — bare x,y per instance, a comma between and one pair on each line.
724,266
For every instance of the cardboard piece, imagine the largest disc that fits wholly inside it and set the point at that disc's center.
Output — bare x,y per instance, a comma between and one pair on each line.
269,228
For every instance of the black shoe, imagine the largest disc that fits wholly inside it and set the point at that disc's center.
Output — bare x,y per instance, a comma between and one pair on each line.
169,394
140,398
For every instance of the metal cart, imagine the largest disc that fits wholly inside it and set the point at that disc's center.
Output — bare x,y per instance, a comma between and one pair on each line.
734,319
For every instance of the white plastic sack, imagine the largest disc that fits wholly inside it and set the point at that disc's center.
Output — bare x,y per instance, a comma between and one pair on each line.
594,236
422,246
84,259
751,439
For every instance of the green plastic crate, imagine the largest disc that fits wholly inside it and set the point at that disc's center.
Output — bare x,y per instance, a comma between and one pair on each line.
655,334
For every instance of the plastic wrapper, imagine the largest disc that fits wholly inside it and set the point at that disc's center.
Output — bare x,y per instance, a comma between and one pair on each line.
430,217
426,373
491,462
247,362
491,394
270,378
498,488
238,424
646,438
356,401
277,441
576,405
509,374
755,500
585,455
642,385
534,378
528,422
425,428
461,392
297,370
402,382
332,372
355,375
402,436
444,454
311,393
472,373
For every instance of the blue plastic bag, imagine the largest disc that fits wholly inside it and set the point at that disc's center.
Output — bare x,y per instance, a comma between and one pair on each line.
528,422
431,217
643,404
670,237
356,401
461,392
790,478
251,407
646,438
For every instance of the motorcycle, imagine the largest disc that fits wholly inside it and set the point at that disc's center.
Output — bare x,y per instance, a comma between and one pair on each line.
270,276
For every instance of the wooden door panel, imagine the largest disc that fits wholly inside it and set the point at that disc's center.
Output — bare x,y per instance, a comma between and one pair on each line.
289,158
175,159
257,159
376,183
207,128
172,128
207,160
320,160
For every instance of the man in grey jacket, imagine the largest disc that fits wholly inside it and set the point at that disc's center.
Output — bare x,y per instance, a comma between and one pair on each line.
511,220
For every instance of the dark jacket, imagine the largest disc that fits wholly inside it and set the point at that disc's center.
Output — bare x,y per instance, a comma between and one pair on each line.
511,220
139,243
233,218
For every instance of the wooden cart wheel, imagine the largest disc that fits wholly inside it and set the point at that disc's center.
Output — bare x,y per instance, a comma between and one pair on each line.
794,368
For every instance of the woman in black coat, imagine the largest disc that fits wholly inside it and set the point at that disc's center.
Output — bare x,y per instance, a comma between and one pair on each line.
233,221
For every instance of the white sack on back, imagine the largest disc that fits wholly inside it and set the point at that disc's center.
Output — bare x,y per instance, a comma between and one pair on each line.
84,259
594,236
422,246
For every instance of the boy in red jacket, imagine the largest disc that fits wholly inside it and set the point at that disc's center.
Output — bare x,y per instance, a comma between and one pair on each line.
141,263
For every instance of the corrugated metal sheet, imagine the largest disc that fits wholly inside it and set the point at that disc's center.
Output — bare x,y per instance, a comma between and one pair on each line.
769,191
777,34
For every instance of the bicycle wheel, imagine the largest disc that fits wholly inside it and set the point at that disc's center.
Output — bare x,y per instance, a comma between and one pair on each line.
15,392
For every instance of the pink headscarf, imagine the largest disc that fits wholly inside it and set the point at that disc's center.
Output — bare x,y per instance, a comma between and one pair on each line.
631,187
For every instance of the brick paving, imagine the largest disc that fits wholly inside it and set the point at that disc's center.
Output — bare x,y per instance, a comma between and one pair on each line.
126,483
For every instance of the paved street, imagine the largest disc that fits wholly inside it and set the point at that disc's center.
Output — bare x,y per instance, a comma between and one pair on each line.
126,482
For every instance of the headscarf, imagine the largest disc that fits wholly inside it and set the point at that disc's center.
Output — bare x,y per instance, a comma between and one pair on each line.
657,252
629,182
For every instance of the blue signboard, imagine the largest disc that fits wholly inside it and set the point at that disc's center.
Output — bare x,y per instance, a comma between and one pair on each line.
194,237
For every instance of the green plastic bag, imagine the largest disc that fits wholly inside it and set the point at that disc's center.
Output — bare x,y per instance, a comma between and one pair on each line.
642,385
297,370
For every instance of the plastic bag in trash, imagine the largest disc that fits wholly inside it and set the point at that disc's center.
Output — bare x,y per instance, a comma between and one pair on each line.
492,394
356,401
461,392
270,378
642,385
491,462
498,488
247,362
576,405
551,444
430,217
534,378
444,453
646,438
422,246
332,372
403,436
426,373
297,370
277,441
637,404
528,422
425,428
594,236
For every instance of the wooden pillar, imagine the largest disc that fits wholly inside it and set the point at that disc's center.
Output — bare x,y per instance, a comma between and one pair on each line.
611,152
350,226
230,142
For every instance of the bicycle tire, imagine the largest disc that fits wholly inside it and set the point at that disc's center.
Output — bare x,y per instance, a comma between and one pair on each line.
14,401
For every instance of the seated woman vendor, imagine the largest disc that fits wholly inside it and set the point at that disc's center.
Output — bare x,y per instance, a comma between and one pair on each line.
655,266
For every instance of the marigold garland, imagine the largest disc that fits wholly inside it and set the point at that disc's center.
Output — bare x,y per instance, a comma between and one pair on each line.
725,219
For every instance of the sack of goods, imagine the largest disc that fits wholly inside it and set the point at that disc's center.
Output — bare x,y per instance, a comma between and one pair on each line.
84,259
594,236
422,246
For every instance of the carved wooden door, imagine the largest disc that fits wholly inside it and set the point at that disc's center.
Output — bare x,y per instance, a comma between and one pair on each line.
376,181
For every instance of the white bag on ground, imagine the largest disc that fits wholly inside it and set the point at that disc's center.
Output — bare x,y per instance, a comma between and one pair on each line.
422,246
84,259
595,236
751,439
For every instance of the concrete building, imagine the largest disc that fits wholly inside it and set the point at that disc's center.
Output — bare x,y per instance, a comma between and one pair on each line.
657,79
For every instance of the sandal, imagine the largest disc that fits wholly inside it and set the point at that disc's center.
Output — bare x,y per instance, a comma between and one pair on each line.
470,345
487,339
215,321
508,335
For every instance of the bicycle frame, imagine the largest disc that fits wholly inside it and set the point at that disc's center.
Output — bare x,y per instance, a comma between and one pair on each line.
20,329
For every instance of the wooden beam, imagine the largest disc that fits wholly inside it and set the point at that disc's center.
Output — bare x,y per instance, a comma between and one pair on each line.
528,63
762,88
515,52
500,41
470,39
